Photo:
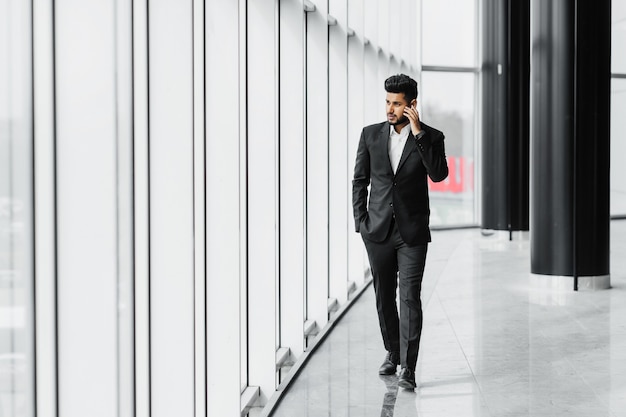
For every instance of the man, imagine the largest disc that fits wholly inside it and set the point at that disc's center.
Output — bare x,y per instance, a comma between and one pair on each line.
396,157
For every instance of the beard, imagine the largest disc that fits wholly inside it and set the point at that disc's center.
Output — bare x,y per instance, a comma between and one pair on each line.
400,121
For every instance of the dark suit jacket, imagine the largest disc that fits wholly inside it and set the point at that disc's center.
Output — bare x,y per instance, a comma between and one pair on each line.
403,195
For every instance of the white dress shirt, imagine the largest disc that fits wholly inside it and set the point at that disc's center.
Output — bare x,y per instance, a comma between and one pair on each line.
396,145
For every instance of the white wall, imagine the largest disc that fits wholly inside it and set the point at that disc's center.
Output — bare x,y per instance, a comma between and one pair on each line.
201,208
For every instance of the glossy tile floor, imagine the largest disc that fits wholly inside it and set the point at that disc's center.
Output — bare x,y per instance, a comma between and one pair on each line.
491,344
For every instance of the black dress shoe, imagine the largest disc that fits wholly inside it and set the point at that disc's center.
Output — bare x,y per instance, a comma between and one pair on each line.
390,364
407,379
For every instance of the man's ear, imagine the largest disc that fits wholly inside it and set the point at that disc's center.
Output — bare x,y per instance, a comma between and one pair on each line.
413,103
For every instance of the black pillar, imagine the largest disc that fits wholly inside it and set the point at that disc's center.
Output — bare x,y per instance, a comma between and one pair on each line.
505,114
519,113
570,110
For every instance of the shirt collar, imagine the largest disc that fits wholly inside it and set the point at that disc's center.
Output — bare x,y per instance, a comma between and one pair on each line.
403,132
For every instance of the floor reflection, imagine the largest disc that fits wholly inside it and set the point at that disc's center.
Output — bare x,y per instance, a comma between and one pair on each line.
491,345
389,399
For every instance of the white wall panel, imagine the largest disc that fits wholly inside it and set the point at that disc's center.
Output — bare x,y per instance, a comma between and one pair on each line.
292,176
370,16
339,191
17,343
86,204
356,111
383,17
374,107
383,74
171,208
223,207
317,164
415,54
262,195
125,198
394,66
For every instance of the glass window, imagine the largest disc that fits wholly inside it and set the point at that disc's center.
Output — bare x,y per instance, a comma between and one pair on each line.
448,104
618,36
16,202
618,147
443,46
618,107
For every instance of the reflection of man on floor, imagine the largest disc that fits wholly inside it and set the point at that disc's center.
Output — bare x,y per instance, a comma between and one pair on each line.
397,403
394,158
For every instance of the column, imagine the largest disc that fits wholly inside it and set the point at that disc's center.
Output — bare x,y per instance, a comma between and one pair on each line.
505,96
570,112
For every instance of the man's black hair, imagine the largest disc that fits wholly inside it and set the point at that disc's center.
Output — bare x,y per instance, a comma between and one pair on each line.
402,84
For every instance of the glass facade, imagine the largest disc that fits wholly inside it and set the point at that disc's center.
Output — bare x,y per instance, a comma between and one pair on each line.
449,102
442,46
176,181
17,361
618,147
618,36
618,107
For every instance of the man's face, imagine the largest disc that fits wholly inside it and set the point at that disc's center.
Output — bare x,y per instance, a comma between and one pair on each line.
395,108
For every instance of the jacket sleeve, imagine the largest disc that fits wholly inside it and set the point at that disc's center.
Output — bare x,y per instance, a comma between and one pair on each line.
431,148
360,182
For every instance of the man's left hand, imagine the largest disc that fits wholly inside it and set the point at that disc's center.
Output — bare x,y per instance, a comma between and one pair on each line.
414,117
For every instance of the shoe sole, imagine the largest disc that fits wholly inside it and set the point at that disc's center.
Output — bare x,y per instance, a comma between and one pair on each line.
387,373
406,384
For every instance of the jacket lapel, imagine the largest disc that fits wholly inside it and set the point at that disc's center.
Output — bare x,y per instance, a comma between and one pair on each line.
383,140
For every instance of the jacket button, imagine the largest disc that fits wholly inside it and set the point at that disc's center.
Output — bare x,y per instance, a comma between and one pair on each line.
390,204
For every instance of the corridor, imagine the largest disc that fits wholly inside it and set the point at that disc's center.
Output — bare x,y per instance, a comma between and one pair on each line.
492,345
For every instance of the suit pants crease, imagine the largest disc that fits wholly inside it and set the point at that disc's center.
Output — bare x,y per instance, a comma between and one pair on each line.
392,261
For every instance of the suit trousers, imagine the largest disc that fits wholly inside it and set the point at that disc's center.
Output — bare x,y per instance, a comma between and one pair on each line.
393,261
